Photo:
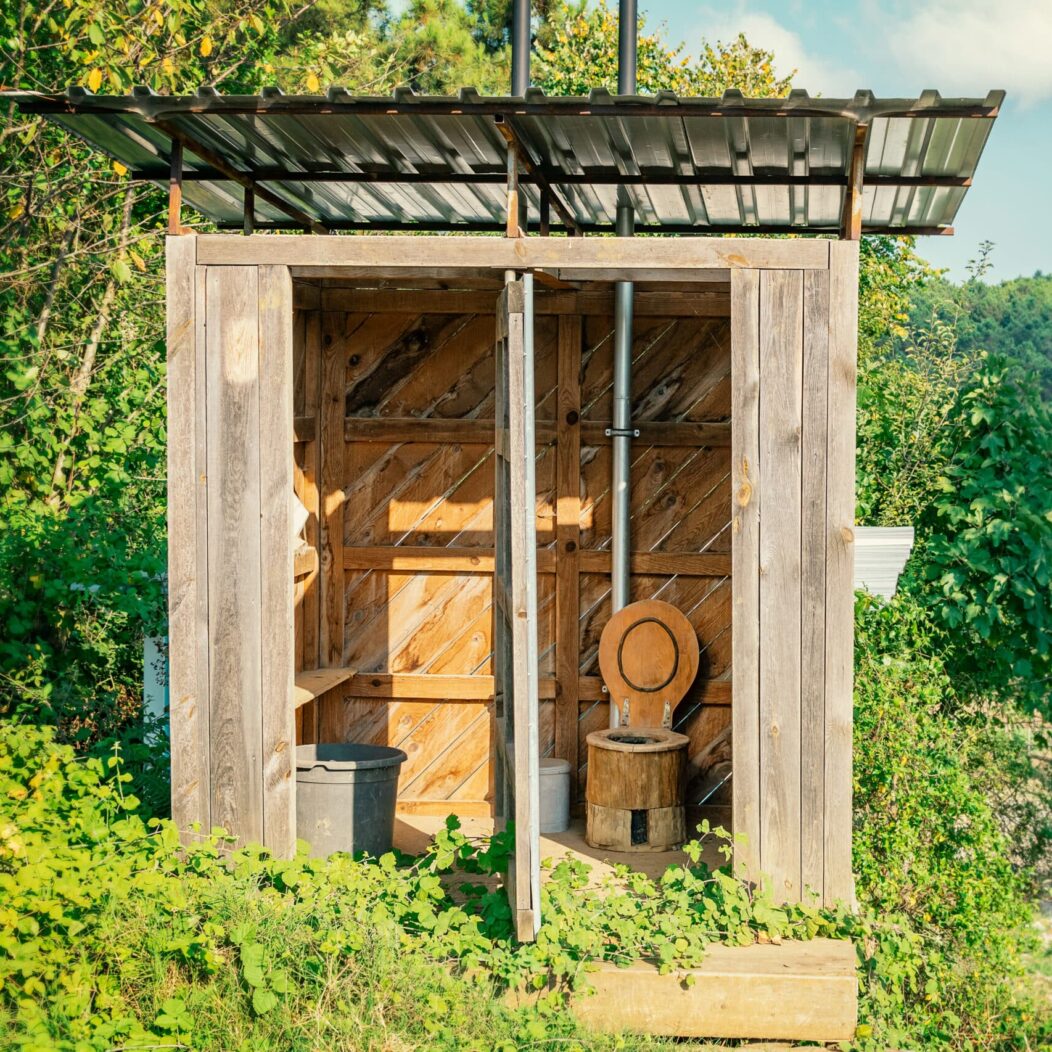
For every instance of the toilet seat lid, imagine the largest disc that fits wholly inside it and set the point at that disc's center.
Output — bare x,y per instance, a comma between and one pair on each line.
648,655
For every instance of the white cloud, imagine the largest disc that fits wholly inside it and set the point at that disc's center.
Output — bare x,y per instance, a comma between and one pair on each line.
969,46
814,73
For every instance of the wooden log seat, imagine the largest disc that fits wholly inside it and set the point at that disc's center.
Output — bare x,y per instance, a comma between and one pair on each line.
636,781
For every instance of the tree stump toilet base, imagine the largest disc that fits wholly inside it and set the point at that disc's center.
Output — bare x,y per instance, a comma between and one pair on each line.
635,789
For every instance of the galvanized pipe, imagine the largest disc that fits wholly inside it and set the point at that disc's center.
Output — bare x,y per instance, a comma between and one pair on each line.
520,47
627,20
621,432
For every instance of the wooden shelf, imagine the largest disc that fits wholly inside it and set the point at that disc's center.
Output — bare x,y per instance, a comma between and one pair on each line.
304,562
311,685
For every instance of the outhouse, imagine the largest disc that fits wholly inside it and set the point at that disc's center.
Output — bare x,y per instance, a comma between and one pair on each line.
426,363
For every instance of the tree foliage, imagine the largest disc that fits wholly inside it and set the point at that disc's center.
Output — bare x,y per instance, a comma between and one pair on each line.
576,51
984,569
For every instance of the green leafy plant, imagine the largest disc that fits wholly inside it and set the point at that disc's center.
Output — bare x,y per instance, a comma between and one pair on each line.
944,895
985,568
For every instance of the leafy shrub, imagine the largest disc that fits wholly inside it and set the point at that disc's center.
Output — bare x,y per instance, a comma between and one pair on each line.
949,911
111,935
984,568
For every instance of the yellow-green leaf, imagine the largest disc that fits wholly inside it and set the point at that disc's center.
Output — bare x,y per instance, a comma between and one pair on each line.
206,46
95,79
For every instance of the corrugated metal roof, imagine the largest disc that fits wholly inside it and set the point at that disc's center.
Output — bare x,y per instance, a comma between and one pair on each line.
423,162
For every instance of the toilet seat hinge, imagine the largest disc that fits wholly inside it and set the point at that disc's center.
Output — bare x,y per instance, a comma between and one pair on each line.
666,718
624,714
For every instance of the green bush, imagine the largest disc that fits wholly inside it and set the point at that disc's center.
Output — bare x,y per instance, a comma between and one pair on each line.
949,911
984,562
111,935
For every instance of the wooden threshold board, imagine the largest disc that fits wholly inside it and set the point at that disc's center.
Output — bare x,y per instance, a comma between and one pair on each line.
797,991
312,684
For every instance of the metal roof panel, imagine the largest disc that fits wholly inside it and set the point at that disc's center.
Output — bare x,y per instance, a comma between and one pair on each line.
424,162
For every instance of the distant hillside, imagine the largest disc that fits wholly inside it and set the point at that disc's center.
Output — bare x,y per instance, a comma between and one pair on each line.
1013,318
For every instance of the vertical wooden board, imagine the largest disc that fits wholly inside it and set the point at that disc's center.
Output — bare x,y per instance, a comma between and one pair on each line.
813,579
310,605
781,362
840,467
187,540
332,444
275,543
568,542
234,565
745,563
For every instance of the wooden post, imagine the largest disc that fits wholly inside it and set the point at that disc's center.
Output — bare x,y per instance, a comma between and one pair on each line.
310,608
840,597
175,190
276,586
568,541
234,558
851,222
815,442
745,557
187,539
330,552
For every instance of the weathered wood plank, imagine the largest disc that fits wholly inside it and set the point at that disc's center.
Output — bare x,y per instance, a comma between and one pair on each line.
803,991
234,565
781,363
568,544
564,255
523,613
330,547
666,304
319,681
310,603
187,533
840,468
814,441
275,551
745,560
479,431
692,564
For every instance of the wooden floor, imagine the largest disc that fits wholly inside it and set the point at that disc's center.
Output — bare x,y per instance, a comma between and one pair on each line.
412,833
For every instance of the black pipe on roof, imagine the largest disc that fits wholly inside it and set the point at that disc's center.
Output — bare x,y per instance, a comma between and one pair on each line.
520,47
627,22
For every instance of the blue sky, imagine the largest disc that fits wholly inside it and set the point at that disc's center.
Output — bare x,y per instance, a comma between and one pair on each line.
898,48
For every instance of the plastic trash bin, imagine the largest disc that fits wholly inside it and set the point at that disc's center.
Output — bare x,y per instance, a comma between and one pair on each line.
345,797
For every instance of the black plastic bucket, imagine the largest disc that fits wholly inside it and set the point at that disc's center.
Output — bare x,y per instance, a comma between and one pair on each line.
346,796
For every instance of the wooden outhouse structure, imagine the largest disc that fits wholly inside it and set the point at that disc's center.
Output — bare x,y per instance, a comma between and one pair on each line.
441,407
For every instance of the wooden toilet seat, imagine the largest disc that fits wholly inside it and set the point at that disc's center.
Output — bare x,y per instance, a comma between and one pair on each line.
648,657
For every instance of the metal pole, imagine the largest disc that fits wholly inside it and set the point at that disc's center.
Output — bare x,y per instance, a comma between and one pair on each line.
627,20
622,431
520,81
520,47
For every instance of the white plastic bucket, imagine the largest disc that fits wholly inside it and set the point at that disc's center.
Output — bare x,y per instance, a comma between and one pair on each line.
555,795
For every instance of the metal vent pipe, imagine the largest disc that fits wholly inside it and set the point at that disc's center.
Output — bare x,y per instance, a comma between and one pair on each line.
622,431
520,47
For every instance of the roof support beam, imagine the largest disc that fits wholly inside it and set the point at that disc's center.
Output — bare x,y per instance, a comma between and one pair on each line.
175,190
553,176
604,228
851,221
513,139
512,225
187,142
